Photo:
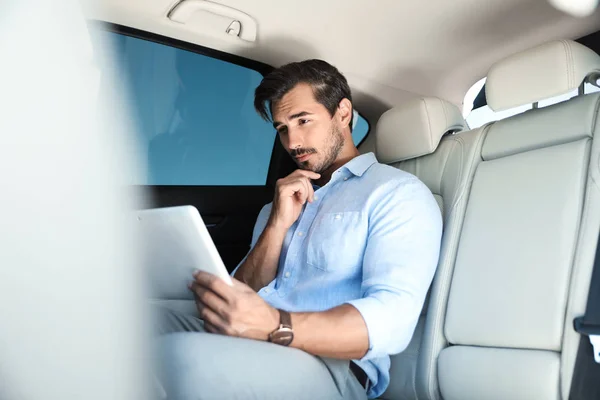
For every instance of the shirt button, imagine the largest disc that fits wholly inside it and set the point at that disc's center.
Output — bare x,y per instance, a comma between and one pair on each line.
300,233
266,290
316,198
338,216
346,178
287,274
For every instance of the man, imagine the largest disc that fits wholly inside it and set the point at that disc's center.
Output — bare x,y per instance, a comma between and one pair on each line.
340,265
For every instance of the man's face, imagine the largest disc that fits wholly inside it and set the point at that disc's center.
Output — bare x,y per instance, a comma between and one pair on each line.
306,129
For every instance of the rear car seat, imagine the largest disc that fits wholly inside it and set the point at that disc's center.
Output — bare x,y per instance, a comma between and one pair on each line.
419,137
527,245
504,307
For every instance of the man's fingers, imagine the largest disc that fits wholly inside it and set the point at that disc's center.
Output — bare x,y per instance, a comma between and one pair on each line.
306,173
208,327
212,310
296,188
214,284
304,193
212,322
210,300
288,185
309,190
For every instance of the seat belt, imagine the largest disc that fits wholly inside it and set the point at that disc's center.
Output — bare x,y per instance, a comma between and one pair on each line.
585,384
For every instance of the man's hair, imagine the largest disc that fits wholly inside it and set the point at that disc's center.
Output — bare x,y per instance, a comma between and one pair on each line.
328,84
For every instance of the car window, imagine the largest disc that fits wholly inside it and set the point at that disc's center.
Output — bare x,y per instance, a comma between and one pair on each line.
194,115
480,116
360,128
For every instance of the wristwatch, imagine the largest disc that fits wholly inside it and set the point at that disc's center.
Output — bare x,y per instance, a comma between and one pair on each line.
284,334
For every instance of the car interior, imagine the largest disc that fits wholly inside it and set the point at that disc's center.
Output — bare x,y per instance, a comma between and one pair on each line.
493,104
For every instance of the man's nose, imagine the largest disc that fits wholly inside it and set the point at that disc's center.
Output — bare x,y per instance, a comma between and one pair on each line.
294,139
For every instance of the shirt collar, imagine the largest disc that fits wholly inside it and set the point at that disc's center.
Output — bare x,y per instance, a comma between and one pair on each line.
358,165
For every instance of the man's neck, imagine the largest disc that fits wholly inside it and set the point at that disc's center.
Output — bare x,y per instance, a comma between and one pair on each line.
342,159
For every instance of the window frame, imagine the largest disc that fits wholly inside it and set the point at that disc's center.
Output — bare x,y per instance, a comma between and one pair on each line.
257,66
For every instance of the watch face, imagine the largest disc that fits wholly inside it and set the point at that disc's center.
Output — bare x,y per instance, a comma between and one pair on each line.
282,336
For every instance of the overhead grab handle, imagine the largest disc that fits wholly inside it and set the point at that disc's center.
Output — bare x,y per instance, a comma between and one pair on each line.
213,18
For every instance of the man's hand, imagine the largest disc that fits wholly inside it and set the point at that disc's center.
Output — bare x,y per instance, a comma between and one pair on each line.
232,310
291,193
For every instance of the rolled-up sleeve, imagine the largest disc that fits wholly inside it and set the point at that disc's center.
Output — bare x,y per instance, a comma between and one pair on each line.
400,259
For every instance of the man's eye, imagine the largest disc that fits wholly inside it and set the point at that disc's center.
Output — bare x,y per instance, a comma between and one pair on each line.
303,121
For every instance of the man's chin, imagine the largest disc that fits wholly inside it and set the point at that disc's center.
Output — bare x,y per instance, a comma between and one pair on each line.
303,164
307,166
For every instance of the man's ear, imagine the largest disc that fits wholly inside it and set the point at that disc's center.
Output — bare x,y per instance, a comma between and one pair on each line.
345,112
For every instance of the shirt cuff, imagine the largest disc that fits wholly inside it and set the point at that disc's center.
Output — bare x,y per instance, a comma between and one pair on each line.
384,336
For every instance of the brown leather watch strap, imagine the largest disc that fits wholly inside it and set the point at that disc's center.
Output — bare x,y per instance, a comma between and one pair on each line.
285,319
283,335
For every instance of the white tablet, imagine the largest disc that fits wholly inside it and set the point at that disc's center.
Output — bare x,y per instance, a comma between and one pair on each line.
175,243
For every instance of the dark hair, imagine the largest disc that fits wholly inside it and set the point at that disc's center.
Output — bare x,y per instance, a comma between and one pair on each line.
328,84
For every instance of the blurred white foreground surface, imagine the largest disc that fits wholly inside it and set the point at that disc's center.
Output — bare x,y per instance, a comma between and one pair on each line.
70,298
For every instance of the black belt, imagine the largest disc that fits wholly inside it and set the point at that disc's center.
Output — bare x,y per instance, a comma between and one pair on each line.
360,375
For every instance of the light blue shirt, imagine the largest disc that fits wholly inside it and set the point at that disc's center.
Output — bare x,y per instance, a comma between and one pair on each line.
370,239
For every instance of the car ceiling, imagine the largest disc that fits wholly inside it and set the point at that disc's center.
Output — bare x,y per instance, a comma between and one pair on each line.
389,50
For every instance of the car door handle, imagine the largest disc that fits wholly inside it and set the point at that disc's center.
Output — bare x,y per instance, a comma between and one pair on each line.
212,221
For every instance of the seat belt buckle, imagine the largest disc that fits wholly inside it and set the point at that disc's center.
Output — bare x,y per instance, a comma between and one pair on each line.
595,341
591,331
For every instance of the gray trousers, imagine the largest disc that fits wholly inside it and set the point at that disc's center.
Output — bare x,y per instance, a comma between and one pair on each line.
194,364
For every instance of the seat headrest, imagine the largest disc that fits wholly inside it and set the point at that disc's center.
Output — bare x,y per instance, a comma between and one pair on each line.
415,128
545,71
